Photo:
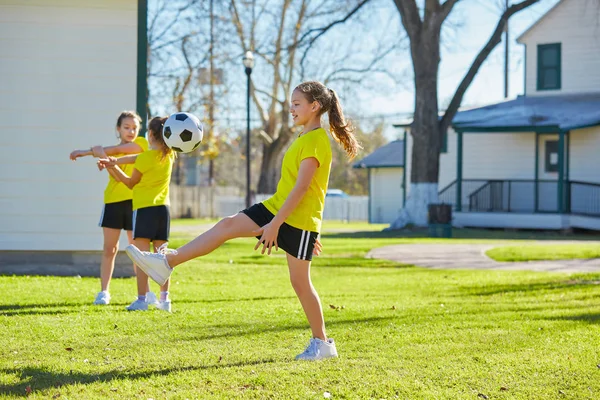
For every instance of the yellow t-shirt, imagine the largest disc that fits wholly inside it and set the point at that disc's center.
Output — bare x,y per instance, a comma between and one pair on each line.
116,191
153,188
309,212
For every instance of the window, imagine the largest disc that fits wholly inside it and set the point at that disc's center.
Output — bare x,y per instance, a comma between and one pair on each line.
551,156
548,66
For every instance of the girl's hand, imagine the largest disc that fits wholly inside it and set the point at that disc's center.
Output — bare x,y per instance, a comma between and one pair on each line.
318,247
268,237
108,162
75,154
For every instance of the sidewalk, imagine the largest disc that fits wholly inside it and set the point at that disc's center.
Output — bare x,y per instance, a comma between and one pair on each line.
472,256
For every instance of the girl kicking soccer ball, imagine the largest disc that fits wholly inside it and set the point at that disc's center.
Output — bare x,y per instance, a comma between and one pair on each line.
291,218
117,211
149,179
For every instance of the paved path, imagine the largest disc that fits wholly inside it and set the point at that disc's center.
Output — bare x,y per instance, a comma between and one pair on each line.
472,256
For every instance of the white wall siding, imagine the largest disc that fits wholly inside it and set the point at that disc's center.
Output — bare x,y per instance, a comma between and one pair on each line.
386,194
574,24
585,155
68,68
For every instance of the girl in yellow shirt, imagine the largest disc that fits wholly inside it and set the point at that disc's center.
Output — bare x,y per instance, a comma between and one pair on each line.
149,179
117,210
291,218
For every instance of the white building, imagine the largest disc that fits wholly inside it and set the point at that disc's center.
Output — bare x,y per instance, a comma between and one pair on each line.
68,68
532,162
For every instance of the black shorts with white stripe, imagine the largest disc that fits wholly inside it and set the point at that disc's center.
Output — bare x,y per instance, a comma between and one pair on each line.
117,215
296,242
152,223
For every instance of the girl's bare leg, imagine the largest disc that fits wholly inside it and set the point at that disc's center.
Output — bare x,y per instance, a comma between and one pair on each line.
239,225
107,265
300,278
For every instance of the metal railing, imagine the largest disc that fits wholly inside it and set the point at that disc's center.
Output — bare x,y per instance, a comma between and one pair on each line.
524,196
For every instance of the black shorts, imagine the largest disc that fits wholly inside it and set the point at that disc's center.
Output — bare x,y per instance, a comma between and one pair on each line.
117,215
152,223
296,242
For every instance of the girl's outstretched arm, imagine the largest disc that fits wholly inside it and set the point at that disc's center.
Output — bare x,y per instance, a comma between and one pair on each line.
269,232
123,148
100,151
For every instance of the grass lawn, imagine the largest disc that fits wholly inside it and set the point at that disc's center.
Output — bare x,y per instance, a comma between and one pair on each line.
401,331
545,252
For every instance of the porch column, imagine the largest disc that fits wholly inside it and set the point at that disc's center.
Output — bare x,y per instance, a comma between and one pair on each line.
561,172
536,189
568,173
459,162
404,171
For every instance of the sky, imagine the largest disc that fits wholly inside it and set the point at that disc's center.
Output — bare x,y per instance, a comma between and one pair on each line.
472,21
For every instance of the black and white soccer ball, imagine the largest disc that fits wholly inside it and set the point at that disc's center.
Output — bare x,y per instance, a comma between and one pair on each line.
183,132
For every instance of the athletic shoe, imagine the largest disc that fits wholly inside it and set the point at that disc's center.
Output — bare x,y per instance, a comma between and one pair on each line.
138,305
318,349
102,299
153,264
164,305
151,298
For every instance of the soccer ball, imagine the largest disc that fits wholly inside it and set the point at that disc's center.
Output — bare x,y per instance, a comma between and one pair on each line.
183,132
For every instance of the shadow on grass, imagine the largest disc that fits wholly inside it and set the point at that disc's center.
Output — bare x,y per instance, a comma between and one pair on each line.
10,310
253,329
491,290
590,318
41,379
460,233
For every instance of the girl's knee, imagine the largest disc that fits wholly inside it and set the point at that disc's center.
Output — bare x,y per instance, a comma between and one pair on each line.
110,250
300,283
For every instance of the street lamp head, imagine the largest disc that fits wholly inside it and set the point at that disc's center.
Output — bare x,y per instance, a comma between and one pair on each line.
248,60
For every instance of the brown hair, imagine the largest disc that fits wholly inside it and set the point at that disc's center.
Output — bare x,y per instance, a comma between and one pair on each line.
129,114
341,130
155,128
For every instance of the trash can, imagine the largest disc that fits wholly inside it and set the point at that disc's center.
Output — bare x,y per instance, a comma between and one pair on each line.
439,219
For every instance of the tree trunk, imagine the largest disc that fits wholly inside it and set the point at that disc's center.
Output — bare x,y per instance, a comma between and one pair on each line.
425,131
269,172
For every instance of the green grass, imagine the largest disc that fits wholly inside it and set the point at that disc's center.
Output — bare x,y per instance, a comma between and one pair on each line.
545,252
403,332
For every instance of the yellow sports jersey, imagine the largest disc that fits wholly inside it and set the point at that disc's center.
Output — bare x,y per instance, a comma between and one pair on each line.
309,212
153,188
116,191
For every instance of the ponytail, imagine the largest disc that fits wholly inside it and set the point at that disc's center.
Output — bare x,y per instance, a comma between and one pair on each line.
155,128
341,130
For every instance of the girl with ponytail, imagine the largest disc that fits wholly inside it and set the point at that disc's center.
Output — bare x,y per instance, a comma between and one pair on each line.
291,218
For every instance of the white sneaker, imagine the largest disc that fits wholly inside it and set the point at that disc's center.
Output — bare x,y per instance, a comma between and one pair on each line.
151,298
164,305
318,349
103,298
138,305
153,264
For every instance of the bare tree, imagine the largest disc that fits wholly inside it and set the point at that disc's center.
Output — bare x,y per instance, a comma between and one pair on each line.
281,33
428,129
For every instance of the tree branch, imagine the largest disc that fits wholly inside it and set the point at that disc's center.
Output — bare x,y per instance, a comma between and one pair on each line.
323,30
478,62
409,13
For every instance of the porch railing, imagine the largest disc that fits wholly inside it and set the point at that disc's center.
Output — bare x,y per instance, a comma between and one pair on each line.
524,196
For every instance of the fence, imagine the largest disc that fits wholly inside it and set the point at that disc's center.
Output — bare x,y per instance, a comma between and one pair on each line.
218,202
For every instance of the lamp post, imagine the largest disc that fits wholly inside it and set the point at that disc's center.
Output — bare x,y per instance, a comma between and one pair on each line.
249,64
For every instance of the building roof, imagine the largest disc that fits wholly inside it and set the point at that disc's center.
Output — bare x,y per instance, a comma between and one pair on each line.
389,156
529,114
533,113
538,21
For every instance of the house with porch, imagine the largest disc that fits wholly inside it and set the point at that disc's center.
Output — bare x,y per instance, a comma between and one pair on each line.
533,162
